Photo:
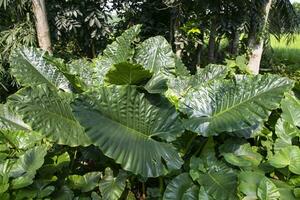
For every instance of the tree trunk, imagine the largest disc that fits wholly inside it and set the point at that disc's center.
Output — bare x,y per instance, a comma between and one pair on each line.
212,42
42,27
234,45
199,52
256,45
175,36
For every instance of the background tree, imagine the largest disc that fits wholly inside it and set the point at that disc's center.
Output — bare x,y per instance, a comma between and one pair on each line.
42,27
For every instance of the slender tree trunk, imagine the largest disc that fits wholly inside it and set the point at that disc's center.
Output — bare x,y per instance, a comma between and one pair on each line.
199,53
256,45
42,27
212,42
234,45
172,19
175,35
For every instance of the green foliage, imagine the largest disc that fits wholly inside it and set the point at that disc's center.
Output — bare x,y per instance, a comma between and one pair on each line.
133,123
229,106
130,117
112,187
127,74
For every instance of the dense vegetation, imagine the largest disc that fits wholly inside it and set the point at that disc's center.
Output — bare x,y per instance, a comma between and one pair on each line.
171,108
133,123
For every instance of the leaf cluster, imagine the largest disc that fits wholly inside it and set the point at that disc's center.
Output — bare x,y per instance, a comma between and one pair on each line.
133,118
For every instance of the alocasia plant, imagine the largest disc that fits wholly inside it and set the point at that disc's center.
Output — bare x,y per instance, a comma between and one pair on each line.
134,121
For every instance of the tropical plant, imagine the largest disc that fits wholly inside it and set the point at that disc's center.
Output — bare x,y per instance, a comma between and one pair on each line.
133,119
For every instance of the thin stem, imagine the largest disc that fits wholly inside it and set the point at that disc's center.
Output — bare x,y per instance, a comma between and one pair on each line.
73,160
143,191
161,185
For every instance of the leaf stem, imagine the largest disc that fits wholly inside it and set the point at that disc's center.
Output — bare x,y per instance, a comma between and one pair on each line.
73,160
143,191
161,185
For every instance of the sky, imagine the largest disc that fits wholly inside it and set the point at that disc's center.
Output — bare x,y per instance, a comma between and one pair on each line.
295,1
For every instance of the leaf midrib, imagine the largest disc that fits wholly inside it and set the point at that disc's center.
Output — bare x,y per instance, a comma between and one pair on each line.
243,102
38,107
37,71
132,130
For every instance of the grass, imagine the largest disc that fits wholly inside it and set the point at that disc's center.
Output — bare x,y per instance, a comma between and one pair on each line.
286,58
288,54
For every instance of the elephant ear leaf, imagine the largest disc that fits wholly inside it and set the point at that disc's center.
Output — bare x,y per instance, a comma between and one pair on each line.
178,87
249,182
209,74
127,74
49,113
85,183
218,180
285,133
120,113
267,190
291,109
288,156
119,51
156,55
24,169
180,187
112,187
240,153
229,106
9,120
30,67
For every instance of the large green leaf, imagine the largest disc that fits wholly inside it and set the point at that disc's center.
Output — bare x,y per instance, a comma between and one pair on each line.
285,132
24,169
29,162
86,182
209,74
291,109
120,113
84,70
249,182
228,106
178,87
111,187
156,55
21,139
49,112
119,51
267,190
64,193
218,180
178,188
220,185
239,153
127,74
31,68
157,84
288,156
285,189
9,120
